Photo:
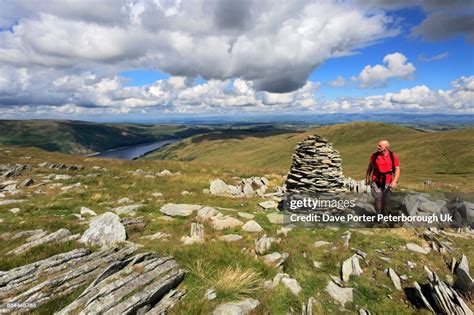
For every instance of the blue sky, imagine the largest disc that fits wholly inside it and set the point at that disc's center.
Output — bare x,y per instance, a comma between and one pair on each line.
144,58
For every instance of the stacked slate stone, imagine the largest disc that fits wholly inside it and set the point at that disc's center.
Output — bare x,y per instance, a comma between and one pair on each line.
316,168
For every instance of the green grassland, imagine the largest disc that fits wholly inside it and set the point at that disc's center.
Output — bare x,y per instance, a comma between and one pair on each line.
233,273
445,157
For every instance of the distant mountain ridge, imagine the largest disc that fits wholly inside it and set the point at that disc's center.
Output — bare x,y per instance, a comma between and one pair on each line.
81,137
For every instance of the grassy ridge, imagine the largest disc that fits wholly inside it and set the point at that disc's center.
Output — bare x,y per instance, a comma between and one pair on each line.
443,156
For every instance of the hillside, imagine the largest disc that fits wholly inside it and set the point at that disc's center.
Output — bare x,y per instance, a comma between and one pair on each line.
445,157
54,201
79,137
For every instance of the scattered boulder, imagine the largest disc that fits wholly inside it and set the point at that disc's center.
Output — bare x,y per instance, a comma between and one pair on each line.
340,295
245,187
242,307
252,227
181,210
287,281
218,187
275,218
263,244
27,182
418,249
105,230
246,215
196,234
87,211
60,166
210,294
225,222
350,267
346,236
130,209
276,259
269,204
14,210
395,279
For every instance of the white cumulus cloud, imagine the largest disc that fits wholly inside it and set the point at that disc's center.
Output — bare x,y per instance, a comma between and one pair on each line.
395,65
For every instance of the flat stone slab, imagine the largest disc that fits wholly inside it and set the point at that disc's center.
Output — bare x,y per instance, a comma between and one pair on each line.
180,210
243,307
127,209
275,218
269,204
230,237
418,249
340,295
252,227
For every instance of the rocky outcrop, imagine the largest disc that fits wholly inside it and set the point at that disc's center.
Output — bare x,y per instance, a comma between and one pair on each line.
60,166
439,297
9,171
245,187
117,282
61,235
316,168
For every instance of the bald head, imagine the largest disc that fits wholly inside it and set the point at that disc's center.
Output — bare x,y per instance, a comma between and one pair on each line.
382,146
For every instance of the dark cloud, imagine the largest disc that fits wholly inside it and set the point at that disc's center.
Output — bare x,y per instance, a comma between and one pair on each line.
231,14
443,25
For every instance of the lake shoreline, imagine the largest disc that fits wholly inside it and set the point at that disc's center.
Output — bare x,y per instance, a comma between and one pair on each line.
133,152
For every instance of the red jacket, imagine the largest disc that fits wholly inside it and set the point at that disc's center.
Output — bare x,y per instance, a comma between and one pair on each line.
383,164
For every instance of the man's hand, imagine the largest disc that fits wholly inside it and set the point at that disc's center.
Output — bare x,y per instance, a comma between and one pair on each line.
367,182
392,185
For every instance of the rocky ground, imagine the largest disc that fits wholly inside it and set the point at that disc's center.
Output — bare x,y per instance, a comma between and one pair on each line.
103,236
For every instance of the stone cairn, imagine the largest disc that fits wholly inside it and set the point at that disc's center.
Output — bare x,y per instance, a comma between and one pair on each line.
316,168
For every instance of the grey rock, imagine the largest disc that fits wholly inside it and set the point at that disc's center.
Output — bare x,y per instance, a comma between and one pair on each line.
182,210
223,223
105,230
350,267
230,237
242,307
218,187
275,218
263,244
246,215
252,227
14,210
60,235
269,204
87,211
418,249
395,279
210,294
340,295
196,234
275,259
292,285
126,209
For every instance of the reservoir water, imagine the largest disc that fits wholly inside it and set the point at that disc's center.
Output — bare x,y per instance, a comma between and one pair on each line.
132,152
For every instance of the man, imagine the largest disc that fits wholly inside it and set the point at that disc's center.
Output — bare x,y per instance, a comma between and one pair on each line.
384,172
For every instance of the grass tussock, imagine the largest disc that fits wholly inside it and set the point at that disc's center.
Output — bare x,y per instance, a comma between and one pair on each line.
231,282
